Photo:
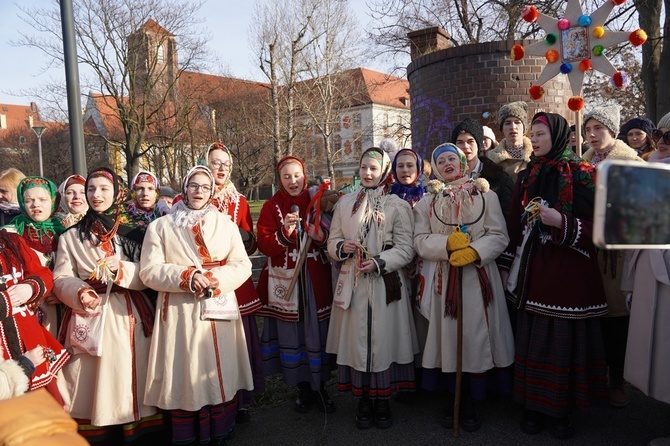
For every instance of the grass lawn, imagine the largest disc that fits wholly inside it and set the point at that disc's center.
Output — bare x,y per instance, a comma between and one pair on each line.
255,208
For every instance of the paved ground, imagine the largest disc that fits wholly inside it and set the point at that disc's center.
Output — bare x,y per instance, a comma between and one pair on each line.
418,423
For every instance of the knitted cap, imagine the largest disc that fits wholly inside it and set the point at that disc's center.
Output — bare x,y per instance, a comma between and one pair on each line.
488,133
607,115
518,109
471,126
167,191
664,123
644,124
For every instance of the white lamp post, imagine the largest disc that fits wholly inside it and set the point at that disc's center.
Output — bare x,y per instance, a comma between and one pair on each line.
39,129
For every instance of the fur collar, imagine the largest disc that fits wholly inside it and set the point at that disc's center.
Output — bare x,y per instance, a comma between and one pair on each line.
621,151
500,153
653,157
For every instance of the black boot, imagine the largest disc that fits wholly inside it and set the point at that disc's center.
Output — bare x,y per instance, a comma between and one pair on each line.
383,418
564,428
532,422
449,412
323,401
469,414
304,400
365,415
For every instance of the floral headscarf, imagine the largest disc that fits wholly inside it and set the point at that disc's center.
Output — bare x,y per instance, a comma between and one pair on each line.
449,147
144,176
182,213
204,159
184,186
48,227
225,194
411,193
64,213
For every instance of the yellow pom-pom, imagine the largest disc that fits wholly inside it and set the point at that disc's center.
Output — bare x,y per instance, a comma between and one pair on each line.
598,32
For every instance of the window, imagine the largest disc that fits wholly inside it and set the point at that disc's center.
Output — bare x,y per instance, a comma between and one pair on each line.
3,121
357,120
160,54
337,143
358,144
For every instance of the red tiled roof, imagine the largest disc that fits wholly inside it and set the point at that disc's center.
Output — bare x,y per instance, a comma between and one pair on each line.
152,26
209,88
18,116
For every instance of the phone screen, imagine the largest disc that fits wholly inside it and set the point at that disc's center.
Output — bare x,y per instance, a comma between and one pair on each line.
632,205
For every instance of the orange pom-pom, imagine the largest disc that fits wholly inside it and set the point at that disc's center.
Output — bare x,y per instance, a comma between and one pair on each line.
529,14
576,103
551,56
536,92
618,2
585,65
637,37
518,52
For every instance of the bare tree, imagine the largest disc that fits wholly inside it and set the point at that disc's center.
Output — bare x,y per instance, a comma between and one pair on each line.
133,60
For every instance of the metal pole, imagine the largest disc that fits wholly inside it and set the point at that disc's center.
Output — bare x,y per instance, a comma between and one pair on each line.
77,148
39,154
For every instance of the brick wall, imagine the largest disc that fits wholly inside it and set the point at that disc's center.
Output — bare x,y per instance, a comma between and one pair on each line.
474,81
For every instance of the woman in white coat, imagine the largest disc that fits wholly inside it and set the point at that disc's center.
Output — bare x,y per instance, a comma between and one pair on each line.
195,256
371,327
459,225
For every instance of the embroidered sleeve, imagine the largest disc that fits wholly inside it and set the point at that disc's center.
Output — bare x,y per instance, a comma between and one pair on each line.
187,278
284,238
5,305
341,255
39,289
570,232
380,264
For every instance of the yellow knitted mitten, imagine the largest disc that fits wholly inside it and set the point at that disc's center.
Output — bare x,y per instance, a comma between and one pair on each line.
463,257
457,240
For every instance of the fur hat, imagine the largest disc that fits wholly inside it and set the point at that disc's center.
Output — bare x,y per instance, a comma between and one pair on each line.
471,126
607,115
518,109
488,133
664,123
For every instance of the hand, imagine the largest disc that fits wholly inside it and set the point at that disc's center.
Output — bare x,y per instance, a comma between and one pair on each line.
20,294
369,266
315,233
349,247
463,257
51,299
504,277
550,216
245,235
113,263
89,299
200,283
290,222
36,355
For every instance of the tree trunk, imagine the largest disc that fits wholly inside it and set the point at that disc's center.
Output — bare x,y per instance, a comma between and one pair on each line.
663,87
649,16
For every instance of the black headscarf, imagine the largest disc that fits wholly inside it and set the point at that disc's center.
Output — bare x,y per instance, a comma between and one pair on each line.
113,221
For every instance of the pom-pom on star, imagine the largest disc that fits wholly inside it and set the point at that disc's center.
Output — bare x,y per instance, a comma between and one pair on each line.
576,103
585,65
536,92
637,37
620,80
529,14
518,52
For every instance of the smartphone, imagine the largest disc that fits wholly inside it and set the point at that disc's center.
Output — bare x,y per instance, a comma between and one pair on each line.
632,205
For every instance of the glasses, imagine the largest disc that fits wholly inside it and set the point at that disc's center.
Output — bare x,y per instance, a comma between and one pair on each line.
194,187
658,135
216,164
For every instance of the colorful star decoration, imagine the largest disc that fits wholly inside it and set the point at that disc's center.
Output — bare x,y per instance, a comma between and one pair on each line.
575,44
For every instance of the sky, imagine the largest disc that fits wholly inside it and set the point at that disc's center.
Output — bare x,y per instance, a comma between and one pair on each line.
226,20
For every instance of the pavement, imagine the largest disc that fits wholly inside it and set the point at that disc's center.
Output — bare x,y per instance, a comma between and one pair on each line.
418,422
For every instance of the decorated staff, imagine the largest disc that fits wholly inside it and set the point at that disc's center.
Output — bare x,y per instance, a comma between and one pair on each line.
458,234
574,45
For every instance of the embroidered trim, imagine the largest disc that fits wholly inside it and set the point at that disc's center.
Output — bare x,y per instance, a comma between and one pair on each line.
185,276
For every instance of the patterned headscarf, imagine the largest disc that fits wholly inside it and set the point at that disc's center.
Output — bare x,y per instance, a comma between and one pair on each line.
383,184
204,159
411,193
223,194
49,226
449,147
64,213
192,171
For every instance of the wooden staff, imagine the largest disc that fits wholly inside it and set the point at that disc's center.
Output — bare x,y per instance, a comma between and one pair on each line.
578,132
459,352
302,255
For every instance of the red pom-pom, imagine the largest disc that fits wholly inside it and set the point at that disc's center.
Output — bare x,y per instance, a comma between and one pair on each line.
620,79
536,92
576,103
518,52
637,37
551,56
585,65
529,14
618,2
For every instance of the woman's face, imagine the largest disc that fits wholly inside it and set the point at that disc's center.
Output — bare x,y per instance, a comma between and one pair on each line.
540,139
219,163
598,136
406,169
449,166
7,193
145,194
100,193
486,144
198,190
37,203
636,138
662,146
370,171
75,198
292,179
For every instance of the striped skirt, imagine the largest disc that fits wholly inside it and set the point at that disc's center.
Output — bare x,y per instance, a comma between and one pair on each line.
381,385
559,364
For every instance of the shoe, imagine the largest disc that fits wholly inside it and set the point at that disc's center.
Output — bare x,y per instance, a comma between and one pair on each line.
304,400
470,415
532,422
323,401
619,396
365,415
242,416
383,419
563,429
448,419
222,441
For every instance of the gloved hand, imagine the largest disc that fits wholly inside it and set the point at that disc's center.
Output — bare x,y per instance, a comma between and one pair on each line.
457,240
463,257
328,200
